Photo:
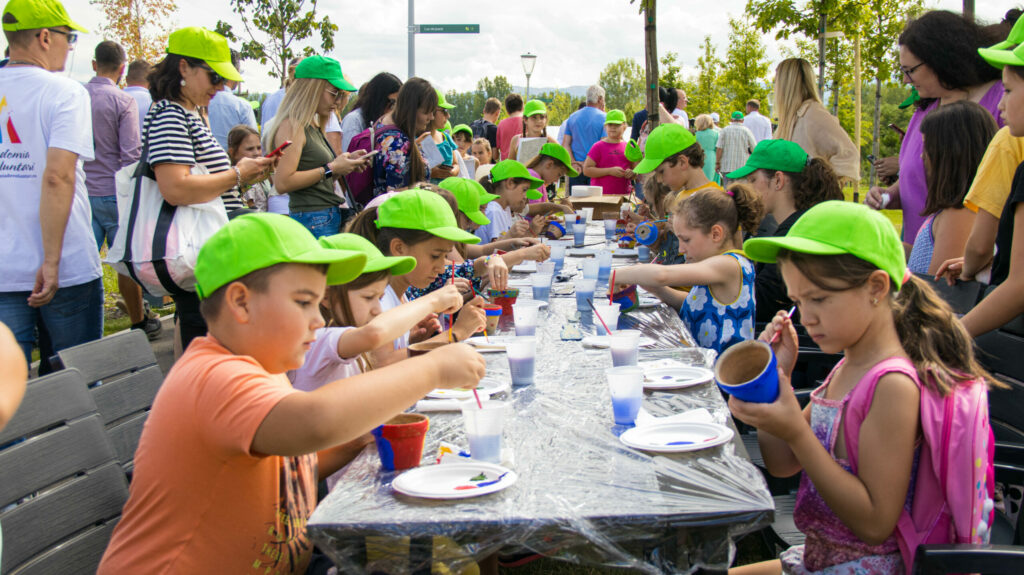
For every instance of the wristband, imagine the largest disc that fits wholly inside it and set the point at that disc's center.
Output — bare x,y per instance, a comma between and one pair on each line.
238,178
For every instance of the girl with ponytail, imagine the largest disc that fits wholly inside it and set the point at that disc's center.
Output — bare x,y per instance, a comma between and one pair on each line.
859,440
719,308
789,182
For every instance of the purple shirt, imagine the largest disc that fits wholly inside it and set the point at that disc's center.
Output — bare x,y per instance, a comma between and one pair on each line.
913,186
115,135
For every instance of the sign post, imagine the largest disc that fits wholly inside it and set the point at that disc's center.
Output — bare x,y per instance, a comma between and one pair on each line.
431,29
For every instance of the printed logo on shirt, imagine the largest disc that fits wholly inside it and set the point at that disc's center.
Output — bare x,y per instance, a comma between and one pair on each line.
13,163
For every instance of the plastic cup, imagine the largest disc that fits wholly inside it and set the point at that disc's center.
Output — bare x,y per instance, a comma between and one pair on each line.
749,371
493,315
579,233
558,257
584,291
625,347
525,315
609,312
643,253
541,284
586,213
522,354
627,387
483,428
400,441
604,265
548,267
591,268
425,347
609,229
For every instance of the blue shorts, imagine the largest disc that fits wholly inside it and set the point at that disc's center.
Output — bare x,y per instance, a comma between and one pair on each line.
104,219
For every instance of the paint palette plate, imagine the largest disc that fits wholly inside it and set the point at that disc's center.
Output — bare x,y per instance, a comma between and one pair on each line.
486,388
603,341
623,252
581,252
676,377
490,344
454,480
528,266
676,437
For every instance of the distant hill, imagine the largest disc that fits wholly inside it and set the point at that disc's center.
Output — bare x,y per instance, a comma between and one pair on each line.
574,91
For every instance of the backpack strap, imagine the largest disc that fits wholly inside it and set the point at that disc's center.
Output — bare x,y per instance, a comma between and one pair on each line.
859,402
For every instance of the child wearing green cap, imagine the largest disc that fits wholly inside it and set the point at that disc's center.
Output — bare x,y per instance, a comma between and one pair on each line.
513,184
789,183
535,125
442,140
675,157
419,224
463,137
226,415
843,264
719,308
606,162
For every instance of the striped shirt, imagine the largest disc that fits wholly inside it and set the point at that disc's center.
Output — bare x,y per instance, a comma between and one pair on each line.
736,143
177,136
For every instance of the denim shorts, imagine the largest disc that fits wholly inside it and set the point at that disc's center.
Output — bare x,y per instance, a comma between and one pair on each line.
104,219
325,222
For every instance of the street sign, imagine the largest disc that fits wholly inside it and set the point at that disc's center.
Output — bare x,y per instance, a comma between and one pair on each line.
449,28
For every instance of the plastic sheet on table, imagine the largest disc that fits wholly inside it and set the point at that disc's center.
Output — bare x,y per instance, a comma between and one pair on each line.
582,495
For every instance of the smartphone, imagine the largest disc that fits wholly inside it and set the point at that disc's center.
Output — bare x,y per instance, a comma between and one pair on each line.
279,150
898,129
368,155
871,158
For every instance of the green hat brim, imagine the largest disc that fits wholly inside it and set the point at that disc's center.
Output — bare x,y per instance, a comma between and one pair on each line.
533,194
455,235
444,105
74,26
647,165
487,197
1000,58
742,172
343,265
343,84
398,265
767,249
225,69
477,217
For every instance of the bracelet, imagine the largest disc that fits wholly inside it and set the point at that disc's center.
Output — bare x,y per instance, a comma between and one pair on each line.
487,259
238,177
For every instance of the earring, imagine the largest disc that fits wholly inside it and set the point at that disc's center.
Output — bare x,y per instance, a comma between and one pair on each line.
874,301
182,81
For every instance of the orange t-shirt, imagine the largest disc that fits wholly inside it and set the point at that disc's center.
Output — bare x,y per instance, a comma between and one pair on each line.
201,501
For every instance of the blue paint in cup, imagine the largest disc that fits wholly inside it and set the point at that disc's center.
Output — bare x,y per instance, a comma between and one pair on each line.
749,371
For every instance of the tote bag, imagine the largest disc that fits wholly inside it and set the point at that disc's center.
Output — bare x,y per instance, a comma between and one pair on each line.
157,244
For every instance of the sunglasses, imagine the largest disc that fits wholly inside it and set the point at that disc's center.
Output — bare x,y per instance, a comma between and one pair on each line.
71,36
335,93
215,78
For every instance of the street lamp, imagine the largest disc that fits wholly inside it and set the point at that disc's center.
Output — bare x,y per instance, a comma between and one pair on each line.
529,61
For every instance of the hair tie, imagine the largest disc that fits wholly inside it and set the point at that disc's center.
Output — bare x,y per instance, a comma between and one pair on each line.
906,276
808,162
730,193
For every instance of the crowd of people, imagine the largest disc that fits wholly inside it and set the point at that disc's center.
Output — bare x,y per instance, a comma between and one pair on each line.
328,243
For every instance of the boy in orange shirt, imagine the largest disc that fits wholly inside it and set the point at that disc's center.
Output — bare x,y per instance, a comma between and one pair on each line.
226,469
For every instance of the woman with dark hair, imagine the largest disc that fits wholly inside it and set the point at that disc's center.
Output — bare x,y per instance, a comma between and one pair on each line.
374,100
939,57
955,139
188,164
400,163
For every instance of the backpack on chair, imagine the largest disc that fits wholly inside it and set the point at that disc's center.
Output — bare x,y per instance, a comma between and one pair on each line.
955,466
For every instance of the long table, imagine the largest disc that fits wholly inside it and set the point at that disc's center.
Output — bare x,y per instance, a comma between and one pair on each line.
582,495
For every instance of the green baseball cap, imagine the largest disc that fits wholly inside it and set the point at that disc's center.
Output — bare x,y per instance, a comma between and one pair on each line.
255,241
447,128
324,68
633,153
837,227
911,99
737,115
422,210
375,261
534,107
1009,51
559,153
506,169
441,102
470,195
35,14
210,47
780,155
615,117
463,128
666,140
1014,39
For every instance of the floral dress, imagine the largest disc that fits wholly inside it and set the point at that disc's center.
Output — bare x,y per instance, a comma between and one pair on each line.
717,325
392,171
464,270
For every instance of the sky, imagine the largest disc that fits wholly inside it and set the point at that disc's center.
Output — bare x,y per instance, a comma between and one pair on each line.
573,39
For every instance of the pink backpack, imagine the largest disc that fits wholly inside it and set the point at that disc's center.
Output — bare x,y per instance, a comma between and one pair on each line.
360,184
955,484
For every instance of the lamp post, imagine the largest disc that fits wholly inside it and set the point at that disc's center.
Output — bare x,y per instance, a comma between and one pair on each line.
529,61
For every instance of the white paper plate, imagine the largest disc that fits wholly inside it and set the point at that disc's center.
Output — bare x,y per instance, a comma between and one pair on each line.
454,480
528,266
676,377
676,437
604,341
623,252
581,252
486,388
497,341
521,283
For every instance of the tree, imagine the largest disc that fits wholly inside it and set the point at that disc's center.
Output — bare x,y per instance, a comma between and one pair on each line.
274,30
649,10
497,88
560,106
706,95
140,26
670,74
746,66
623,83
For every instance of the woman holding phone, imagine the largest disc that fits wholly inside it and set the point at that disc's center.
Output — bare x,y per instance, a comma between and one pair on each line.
309,166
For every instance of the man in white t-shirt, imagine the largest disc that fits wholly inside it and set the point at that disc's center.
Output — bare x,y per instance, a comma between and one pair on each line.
51,290
758,125
137,86
680,111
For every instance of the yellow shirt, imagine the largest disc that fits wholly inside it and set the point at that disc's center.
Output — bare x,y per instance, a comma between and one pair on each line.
991,185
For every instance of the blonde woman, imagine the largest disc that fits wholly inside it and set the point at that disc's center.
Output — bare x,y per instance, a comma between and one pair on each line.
805,121
707,137
309,166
